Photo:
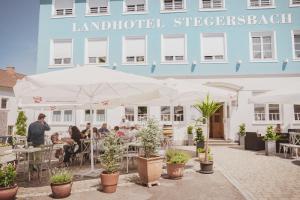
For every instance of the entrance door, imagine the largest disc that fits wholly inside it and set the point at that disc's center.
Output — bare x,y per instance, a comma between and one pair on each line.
216,124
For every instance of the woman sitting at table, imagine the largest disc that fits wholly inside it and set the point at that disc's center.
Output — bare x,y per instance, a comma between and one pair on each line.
118,132
73,144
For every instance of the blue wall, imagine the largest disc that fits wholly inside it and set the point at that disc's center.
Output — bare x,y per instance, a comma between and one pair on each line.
237,38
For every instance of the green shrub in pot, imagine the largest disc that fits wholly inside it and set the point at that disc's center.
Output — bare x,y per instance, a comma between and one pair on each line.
176,161
8,186
61,183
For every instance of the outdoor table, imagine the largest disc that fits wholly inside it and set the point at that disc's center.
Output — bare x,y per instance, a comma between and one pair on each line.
7,156
27,152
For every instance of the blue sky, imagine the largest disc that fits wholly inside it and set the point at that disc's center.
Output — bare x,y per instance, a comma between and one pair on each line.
18,34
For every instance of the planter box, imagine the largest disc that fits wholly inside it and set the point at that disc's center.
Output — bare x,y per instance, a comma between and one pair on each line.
270,148
150,170
242,140
190,140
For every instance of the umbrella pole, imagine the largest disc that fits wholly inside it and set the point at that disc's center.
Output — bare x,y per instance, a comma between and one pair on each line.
92,139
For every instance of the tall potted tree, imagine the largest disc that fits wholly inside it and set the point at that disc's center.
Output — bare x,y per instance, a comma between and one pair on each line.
110,161
207,107
242,133
150,164
21,124
270,141
199,139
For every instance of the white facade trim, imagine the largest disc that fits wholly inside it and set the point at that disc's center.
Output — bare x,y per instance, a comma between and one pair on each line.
53,15
211,9
86,51
124,62
162,8
293,5
260,7
88,14
136,12
293,44
51,56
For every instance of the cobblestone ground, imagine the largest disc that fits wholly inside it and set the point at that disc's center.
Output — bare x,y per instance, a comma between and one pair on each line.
258,176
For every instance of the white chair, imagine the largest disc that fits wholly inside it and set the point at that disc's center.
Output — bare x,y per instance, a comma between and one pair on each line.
130,152
293,145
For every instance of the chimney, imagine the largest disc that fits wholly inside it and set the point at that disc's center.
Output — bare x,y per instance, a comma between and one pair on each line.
10,70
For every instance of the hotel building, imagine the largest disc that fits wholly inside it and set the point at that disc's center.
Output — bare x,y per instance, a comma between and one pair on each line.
245,46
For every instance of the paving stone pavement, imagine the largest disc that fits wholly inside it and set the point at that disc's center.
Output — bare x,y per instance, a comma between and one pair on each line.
258,176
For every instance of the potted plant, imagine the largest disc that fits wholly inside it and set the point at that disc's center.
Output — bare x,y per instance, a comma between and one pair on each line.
207,107
201,153
150,164
61,183
199,139
242,133
190,135
21,125
270,141
110,161
8,187
176,161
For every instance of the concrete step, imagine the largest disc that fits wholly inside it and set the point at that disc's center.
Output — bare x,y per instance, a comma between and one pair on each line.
220,142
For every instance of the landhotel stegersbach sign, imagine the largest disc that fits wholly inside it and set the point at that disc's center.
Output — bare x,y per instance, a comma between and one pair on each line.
275,19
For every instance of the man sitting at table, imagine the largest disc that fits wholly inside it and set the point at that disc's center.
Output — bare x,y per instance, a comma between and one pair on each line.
86,131
36,131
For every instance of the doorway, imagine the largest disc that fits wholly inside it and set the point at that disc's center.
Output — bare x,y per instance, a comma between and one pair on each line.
217,124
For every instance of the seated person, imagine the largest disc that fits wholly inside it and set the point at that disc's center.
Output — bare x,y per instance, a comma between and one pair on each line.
124,124
74,144
84,133
55,140
96,134
118,132
131,135
278,129
103,130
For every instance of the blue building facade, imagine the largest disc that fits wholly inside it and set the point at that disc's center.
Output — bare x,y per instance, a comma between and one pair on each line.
171,37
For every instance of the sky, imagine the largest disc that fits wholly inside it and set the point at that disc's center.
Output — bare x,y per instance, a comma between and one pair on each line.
18,34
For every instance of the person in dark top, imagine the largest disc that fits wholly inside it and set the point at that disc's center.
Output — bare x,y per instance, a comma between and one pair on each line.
36,131
86,131
74,144
103,130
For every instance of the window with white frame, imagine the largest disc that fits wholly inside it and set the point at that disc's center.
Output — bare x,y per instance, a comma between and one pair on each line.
294,2
88,117
100,115
264,112
97,51
213,47
97,7
263,46
142,113
165,113
296,44
211,4
135,6
173,5
260,3
62,52
63,7
178,113
297,112
129,113
4,103
174,48
62,116
134,50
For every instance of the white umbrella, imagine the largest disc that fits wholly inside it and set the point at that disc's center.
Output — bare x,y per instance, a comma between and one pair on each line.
280,96
86,85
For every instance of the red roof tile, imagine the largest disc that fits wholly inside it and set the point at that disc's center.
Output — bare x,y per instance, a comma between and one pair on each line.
8,77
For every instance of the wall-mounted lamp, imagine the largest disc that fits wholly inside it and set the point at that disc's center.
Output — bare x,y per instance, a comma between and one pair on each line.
154,63
194,62
114,65
239,62
285,61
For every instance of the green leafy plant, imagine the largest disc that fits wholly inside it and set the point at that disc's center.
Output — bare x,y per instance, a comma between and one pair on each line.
113,151
150,136
207,107
199,135
61,176
242,129
190,130
21,125
271,134
7,176
202,150
177,157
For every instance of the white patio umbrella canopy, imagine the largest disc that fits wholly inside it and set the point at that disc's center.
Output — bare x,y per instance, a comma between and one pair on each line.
86,85
280,96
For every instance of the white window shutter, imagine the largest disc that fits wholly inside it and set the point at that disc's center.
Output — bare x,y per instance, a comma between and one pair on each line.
213,45
97,48
174,46
63,4
62,49
135,46
98,3
135,2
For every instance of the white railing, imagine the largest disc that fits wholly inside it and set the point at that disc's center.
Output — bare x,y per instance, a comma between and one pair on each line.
260,3
165,117
142,117
68,11
97,10
260,116
274,116
212,4
177,5
136,8
296,2
129,117
297,115
178,117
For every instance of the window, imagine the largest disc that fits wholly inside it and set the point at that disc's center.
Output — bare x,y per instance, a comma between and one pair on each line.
61,116
173,48
165,113
261,3
97,51
263,46
134,50
297,112
296,44
100,115
266,112
178,113
173,5
129,113
4,103
62,52
142,113
135,6
63,7
211,4
213,47
294,3
87,115
97,7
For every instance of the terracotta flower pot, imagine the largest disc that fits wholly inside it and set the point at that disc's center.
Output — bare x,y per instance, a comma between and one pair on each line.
149,169
109,182
9,193
175,171
206,167
61,190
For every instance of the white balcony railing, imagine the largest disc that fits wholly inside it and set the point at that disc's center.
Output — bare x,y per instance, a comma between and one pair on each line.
274,116
176,5
130,117
142,117
98,10
297,115
165,117
60,12
260,116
